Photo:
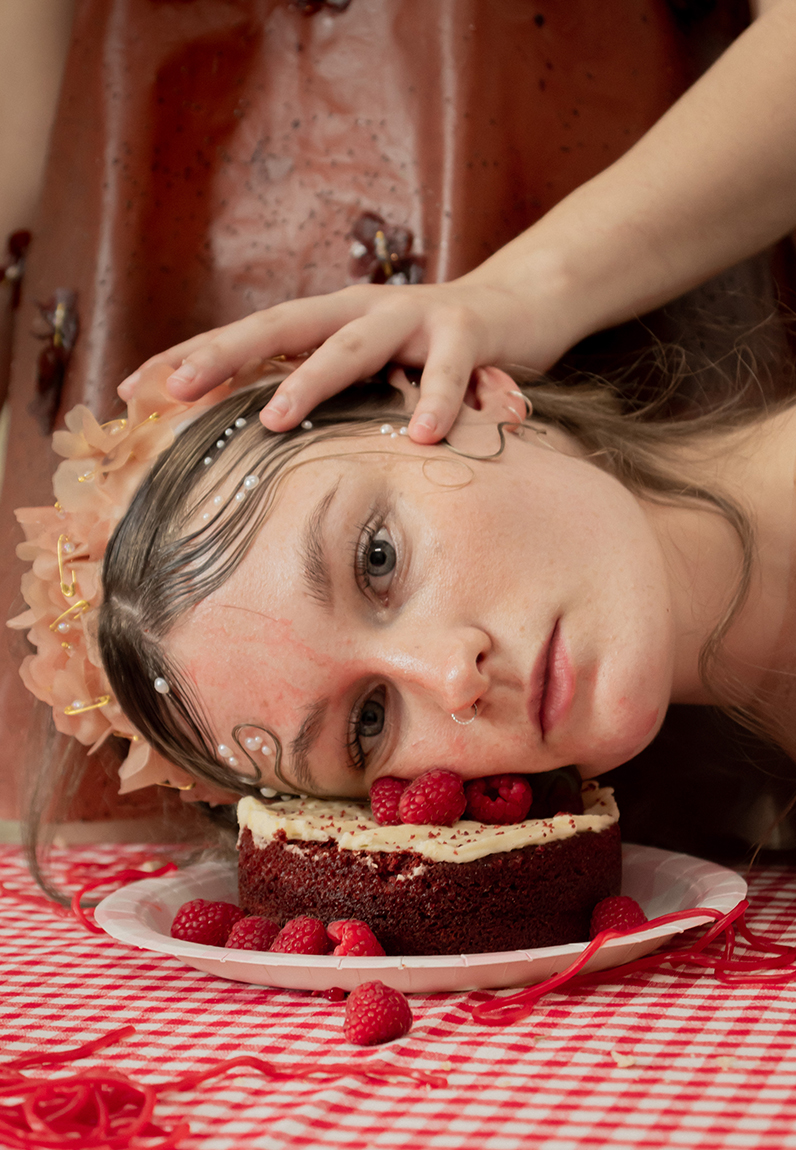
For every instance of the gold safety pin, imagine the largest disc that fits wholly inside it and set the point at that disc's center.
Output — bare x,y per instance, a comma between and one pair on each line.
81,708
71,612
67,589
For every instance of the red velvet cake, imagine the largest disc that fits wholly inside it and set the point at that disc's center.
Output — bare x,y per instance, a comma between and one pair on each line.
466,889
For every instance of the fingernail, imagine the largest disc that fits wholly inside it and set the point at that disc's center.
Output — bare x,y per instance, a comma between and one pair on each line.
185,373
426,421
278,406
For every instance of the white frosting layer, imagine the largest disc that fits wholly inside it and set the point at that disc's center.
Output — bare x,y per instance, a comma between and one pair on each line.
353,827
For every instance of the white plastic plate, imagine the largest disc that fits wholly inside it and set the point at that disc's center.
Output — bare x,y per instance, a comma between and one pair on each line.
141,915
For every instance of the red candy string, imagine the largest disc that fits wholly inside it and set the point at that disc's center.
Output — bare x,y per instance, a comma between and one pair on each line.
741,971
74,1052
381,1071
121,876
106,1110
24,899
78,874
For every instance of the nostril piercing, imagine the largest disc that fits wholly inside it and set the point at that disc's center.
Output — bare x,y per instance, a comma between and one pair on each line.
466,722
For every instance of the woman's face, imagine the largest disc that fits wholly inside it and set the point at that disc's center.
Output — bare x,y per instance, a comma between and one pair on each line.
393,585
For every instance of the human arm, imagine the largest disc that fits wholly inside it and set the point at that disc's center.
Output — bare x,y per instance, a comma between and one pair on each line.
711,182
34,38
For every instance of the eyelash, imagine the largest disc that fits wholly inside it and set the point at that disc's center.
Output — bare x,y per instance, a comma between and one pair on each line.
367,533
353,745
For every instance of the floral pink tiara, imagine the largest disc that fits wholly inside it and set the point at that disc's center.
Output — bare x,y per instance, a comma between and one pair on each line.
103,466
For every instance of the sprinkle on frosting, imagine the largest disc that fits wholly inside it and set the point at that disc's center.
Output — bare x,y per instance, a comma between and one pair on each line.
352,827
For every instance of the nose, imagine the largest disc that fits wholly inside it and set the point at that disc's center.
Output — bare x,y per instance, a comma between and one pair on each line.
449,667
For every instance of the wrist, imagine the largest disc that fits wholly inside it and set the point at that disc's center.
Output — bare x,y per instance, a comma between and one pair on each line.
592,261
548,295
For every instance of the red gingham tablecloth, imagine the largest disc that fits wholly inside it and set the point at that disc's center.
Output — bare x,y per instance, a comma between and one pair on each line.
654,1060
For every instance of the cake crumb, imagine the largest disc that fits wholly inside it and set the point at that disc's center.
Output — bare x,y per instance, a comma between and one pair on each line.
623,1060
726,1063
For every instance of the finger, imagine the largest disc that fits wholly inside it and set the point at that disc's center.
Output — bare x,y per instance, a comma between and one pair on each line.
286,329
449,365
355,351
172,357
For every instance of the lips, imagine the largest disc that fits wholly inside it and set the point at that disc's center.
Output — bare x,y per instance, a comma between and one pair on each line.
552,684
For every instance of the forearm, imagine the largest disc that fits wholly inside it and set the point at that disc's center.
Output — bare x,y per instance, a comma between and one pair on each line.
711,183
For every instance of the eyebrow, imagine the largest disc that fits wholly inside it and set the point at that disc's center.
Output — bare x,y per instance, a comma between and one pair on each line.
304,741
316,569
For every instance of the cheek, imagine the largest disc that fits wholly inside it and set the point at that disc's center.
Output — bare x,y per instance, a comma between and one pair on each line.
632,727
636,728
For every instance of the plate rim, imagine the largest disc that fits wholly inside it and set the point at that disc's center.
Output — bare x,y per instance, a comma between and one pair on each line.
118,910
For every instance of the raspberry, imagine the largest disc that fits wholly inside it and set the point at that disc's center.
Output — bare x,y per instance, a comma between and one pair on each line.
207,922
385,795
436,797
354,937
618,913
303,935
499,798
253,933
375,1013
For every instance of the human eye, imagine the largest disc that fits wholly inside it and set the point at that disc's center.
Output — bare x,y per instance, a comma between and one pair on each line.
366,723
376,559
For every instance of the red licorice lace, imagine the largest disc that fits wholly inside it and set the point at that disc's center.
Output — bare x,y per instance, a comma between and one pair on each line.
726,967
121,876
78,874
105,1110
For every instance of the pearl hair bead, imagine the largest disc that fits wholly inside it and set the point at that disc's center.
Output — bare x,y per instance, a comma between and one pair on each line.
306,424
207,461
217,500
224,751
253,742
239,495
404,431
385,428
221,443
161,686
233,762
229,432
240,421
251,482
268,792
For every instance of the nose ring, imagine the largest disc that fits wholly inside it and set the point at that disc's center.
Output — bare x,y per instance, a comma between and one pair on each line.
466,722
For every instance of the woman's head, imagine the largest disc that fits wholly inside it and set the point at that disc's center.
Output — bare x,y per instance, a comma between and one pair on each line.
344,592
